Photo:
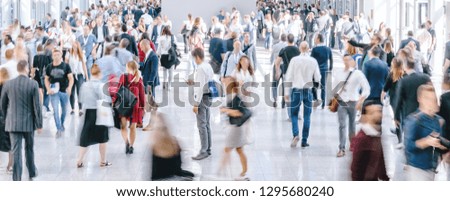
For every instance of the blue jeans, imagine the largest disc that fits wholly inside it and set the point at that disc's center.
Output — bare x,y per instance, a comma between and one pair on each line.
89,63
297,97
56,100
268,40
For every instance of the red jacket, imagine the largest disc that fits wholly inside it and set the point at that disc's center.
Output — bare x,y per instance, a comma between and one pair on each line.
368,160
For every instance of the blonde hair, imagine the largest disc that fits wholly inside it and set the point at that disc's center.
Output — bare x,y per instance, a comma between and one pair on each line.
4,75
132,65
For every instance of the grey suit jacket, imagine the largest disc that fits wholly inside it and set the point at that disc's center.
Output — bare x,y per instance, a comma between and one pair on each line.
21,106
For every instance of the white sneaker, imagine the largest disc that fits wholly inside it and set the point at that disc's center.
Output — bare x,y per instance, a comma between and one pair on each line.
295,141
242,178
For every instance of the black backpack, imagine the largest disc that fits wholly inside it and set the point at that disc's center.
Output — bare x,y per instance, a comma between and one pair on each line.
126,100
174,55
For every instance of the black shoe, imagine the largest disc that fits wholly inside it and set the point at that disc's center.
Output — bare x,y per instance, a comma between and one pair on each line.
131,150
127,148
80,114
305,145
283,104
71,113
275,104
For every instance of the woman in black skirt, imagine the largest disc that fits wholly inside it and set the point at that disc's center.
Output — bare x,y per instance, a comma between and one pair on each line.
165,43
91,133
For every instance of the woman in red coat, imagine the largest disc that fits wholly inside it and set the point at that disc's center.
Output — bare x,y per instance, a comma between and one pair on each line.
133,81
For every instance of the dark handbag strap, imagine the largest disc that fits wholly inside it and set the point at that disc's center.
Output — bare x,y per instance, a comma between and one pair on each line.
346,81
247,48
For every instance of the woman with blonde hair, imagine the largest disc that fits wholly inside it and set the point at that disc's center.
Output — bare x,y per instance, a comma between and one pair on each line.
166,153
91,134
5,143
133,81
77,64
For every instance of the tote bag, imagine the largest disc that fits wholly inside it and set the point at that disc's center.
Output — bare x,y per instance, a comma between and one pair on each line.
104,114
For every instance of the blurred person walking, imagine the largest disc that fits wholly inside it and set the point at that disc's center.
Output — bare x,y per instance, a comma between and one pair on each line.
5,142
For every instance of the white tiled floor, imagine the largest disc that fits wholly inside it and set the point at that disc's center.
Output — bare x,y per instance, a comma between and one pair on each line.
269,157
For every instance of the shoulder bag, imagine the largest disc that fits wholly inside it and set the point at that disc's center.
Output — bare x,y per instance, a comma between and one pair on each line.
334,102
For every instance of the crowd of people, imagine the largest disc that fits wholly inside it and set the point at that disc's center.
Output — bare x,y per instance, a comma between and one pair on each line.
122,45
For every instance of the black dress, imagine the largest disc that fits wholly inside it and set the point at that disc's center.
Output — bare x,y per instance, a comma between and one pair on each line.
163,168
91,133
5,143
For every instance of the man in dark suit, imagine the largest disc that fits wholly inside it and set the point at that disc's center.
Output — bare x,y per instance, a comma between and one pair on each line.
376,72
406,102
157,30
410,38
132,45
22,109
100,31
138,14
149,71
324,57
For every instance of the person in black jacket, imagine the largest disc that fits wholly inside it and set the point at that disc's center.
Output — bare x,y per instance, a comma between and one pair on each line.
5,142
100,31
375,41
410,38
406,102
132,46
444,112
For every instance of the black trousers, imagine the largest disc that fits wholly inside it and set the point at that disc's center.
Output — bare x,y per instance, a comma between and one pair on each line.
78,81
16,145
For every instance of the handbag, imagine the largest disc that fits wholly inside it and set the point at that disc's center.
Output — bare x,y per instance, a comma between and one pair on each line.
333,106
237,104
151,103
104,114
427,69
173,53
126,100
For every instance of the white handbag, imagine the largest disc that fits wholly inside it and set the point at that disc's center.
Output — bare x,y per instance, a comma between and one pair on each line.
104,114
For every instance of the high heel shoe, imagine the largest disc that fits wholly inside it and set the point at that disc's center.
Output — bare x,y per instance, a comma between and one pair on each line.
80,165
105,164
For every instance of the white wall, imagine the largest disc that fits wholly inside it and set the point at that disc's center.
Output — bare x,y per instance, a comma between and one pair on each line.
177,10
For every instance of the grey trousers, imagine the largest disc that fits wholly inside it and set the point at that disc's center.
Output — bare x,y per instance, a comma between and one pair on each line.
203,125
346,111
16,145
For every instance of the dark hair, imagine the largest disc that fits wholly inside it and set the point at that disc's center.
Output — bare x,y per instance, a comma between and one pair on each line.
144,36
283,37
320,38
410,33
22,65
367,104
124,28
376,51
410,63
9,37
39,28
166,31
291,38
198,52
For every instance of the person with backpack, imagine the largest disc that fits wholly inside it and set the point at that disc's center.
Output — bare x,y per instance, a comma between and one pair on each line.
231,60
165,42
132,80
202,96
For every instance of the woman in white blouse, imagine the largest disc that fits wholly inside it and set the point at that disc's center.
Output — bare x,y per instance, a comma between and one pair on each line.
165,43
76,61
67,38
245,75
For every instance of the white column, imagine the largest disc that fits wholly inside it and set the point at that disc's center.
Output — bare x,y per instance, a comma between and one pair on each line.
437,16
6,13
55,10
25,13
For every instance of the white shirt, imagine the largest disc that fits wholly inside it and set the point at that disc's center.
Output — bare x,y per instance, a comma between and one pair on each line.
67,40
3,51
356,82
301,71
164,44
11,67
203,74
147,19
76,65
100,35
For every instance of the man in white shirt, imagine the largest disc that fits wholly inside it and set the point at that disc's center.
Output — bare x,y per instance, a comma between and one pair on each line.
299,78
349,82
231,59
203,74
7,44
10,64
